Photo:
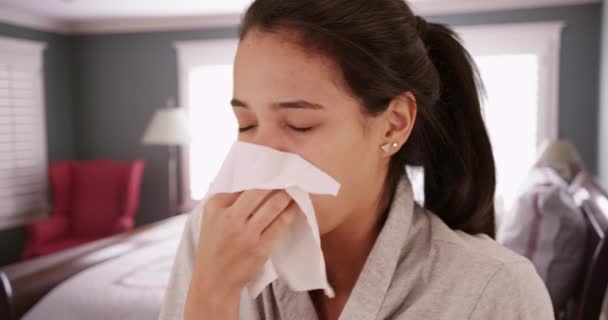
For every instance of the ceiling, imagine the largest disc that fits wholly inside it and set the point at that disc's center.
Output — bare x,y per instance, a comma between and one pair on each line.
133,15
106,9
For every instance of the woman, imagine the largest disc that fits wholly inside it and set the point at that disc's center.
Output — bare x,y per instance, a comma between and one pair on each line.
359,88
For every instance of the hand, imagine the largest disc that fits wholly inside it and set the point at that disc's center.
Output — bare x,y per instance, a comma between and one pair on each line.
238,233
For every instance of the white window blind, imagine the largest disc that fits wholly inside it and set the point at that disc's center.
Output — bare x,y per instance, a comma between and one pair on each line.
23,151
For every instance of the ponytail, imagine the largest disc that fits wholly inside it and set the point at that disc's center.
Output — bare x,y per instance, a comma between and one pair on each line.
384,50
457,156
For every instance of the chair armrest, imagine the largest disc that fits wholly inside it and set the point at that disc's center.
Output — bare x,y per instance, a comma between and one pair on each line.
47,230
123,224
132,190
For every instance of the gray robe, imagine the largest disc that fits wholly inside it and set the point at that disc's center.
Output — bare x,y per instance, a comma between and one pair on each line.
418,269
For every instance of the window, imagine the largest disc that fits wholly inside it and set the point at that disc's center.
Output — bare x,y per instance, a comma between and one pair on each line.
518,64
205,76
519,67
23,152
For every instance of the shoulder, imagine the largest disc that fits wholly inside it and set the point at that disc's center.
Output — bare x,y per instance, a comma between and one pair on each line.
500,281
516,291
477,248
433,239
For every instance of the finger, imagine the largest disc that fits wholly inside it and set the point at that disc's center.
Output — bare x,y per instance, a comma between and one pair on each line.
280,224
226,199
249,201
220,200
268,211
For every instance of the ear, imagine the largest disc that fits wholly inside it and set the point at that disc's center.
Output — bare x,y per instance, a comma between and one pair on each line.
399,118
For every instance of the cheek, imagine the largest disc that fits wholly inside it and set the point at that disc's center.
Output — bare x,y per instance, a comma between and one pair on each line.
337,149
352,169
330,212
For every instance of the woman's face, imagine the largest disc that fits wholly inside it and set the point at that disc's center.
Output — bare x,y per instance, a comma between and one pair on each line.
292,100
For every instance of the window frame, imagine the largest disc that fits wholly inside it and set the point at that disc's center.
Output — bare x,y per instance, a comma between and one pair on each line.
540,38
191,54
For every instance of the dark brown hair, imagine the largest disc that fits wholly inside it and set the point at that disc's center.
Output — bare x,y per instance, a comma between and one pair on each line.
383,50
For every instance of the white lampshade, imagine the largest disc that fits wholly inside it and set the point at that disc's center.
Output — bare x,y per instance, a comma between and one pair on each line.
169,126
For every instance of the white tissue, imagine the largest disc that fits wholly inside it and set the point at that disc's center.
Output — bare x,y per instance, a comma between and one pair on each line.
297,257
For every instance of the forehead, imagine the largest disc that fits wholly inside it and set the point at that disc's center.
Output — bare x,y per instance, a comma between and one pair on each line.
271,66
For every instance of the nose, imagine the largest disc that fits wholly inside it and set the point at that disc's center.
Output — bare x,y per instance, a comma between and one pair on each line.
269,137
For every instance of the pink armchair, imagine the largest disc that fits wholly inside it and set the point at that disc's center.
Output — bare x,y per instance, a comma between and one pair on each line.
91,200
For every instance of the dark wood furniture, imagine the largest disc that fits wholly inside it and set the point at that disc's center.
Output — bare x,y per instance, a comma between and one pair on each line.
23,284
593,202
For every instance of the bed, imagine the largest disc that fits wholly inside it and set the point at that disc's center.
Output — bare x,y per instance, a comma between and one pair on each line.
120,277
125,276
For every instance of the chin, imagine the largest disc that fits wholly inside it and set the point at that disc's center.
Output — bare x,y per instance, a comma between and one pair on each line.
326,227
328,217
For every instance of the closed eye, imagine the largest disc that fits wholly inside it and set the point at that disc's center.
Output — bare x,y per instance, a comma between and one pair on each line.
245,129
298,129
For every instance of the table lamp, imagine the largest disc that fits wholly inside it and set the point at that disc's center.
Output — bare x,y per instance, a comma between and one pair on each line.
169,127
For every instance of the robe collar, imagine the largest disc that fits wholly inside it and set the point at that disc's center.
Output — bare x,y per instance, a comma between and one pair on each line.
373,283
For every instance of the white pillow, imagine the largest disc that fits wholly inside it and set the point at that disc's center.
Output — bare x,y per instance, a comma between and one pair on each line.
546,227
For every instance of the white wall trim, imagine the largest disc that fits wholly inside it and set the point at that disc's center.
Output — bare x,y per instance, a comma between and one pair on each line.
127,25
28,20
544,39
441,7
154,24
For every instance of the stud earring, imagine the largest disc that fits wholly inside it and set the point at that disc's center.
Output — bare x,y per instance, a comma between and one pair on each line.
386,147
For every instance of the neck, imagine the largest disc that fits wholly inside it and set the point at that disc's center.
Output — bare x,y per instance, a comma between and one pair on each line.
347,247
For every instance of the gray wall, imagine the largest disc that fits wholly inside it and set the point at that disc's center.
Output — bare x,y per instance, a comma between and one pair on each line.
579,61
118,80
58,71
121,79
603,118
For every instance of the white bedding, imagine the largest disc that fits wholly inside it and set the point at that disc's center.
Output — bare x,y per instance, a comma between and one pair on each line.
128,287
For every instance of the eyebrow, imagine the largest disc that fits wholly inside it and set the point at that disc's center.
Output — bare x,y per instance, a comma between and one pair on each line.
296,104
